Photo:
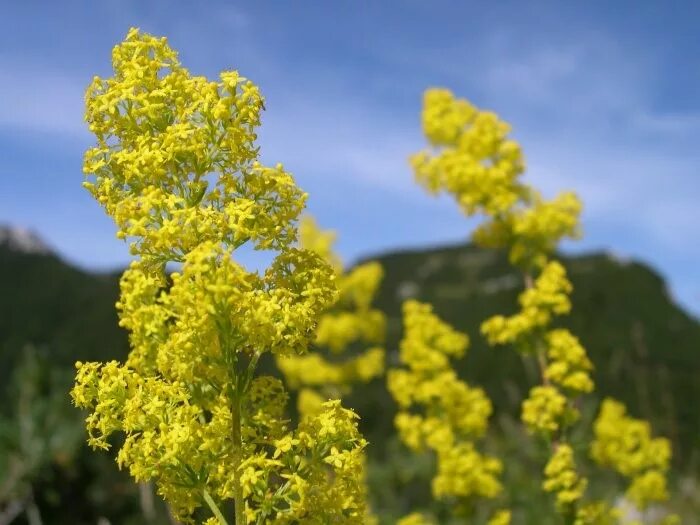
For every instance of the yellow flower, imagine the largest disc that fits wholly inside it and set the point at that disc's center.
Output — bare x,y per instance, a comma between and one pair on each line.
350,320
562,479
625,444
546,410
549,296
451,413
176,166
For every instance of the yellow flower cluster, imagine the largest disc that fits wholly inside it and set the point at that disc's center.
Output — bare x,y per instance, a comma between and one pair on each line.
533,229
474,160
537,230
597,513
569,366
562,479
179,331
176,162
546,411
448,415
314,370
176,166
538,305
463,472
313,476
624,444
349,324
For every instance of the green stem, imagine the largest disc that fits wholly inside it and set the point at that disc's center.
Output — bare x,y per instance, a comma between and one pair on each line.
237,459
235,390
214,508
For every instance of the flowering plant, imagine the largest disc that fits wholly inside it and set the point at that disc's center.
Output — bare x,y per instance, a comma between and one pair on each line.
473,159
177,167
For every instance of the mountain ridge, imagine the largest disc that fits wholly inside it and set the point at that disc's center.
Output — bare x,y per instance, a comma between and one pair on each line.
23,240
645,345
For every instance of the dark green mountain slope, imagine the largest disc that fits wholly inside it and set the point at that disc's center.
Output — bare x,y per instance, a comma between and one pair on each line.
45,301
645,348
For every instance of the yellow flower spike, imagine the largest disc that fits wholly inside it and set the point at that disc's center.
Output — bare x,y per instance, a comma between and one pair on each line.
472,158
452,414
625,444
161,133
501,517
546,410
562,479
176,165
351,320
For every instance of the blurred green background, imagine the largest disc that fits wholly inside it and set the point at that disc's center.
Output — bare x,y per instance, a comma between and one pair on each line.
644,346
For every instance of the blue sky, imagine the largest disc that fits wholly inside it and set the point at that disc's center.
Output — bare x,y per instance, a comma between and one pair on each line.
604,97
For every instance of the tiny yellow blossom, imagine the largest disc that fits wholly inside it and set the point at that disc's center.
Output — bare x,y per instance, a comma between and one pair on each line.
546,410
350,321
562,479
501,517
176,166
451,413
625,444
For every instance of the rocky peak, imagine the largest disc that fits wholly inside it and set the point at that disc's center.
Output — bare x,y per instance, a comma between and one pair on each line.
22,240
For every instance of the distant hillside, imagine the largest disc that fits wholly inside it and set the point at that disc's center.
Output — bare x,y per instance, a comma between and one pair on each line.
647,350
45,301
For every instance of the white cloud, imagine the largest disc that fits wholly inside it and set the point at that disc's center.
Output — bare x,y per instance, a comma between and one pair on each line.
537,76
667,124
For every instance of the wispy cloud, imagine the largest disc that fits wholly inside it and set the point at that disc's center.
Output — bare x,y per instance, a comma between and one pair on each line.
36,98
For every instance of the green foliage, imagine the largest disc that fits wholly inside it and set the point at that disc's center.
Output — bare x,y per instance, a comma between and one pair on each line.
36,431
47,301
